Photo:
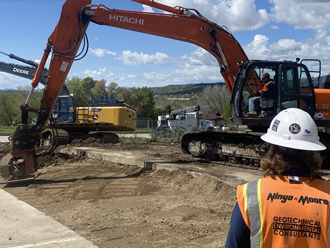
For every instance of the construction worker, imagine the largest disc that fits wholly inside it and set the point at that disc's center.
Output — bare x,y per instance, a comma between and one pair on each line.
290,205
268,90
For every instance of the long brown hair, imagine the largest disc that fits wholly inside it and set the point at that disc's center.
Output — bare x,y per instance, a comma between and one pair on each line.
279,159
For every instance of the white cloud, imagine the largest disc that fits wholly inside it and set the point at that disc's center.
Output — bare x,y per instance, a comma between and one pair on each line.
237,15
258,48
199,56
97,74
191,69
198,67
15,81
101,53
134,58
240,15
147,8
285,46
302,14
289,49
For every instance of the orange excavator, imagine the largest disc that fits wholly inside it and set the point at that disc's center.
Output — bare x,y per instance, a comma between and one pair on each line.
294,86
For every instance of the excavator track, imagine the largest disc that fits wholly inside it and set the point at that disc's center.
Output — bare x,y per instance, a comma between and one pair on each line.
61,138
100,137
106,137
235,147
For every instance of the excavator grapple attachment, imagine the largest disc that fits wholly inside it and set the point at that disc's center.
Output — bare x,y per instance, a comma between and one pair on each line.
18,165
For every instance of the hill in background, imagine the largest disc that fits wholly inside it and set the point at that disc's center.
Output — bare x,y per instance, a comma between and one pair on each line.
179,89
182,89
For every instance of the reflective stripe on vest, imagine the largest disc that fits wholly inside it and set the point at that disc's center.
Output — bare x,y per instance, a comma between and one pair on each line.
252,203
265,87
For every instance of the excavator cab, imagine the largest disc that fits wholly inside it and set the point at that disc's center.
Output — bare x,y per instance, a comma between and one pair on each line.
293,89
63,112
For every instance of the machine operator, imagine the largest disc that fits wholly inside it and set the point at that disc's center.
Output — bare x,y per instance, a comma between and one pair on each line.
268,90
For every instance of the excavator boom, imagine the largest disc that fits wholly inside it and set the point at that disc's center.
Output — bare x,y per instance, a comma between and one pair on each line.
182,25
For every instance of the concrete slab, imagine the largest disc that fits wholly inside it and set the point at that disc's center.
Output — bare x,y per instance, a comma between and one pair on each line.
4,138
134,135
22,226
122,157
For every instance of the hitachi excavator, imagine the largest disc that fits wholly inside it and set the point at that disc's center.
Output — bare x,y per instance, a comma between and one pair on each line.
77,122
242,77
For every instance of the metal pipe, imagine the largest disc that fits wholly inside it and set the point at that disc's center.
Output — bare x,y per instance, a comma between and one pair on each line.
29,96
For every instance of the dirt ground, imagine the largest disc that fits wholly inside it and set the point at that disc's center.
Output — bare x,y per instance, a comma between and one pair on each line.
115,205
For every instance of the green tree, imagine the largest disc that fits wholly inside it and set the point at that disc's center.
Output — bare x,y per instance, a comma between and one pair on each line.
7,110
10,105
73,85
127,95
168,108
99,88
139,99
159,111
145,104
81,89
112,89
226,109
87,84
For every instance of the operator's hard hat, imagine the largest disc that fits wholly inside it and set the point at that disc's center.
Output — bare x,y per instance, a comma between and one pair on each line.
265,74
294,128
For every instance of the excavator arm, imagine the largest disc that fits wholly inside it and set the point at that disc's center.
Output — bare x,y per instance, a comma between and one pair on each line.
64,44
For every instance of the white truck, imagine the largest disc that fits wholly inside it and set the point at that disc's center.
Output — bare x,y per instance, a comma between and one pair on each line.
187,121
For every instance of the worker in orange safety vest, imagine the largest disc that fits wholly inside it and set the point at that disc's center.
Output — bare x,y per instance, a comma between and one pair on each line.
290,205
268,90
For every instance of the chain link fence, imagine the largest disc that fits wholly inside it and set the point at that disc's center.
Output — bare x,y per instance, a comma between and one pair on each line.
146,123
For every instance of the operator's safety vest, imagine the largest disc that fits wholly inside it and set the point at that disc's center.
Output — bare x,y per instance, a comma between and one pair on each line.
265,87
284,211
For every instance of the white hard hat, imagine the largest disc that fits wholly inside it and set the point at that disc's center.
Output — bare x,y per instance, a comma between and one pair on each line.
294,128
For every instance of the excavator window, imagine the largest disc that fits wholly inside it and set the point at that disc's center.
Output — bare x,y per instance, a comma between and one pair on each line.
296,91
63,111
253,86
249,85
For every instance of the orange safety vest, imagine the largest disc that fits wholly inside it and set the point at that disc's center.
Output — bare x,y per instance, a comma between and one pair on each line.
284,212
265,87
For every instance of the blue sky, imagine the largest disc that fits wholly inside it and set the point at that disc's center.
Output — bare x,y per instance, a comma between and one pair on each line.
266,29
